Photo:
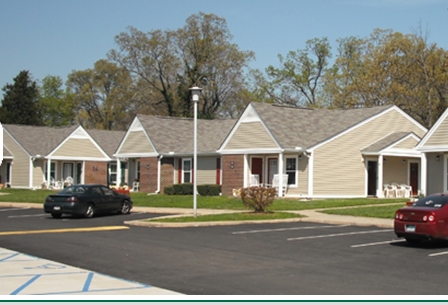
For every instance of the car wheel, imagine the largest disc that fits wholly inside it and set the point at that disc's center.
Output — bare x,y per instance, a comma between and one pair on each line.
56,215
88,213
413,241
125,207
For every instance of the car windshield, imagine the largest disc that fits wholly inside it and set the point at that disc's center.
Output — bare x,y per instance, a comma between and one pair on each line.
436,201
74,189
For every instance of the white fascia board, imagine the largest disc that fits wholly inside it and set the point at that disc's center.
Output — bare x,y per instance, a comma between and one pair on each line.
78,133
429,149
136,125
429,134
251,151
136,155
18,144
250,114
367,121
69,158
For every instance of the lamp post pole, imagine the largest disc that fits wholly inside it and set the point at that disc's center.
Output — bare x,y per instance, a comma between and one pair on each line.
195,91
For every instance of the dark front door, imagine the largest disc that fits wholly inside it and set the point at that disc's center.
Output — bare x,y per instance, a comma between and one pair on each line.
413,178
372,170
257,168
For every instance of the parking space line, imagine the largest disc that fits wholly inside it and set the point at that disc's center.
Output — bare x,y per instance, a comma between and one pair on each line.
377,243
286,229
24,216
339,234
32,280
69,230
438,253
13,209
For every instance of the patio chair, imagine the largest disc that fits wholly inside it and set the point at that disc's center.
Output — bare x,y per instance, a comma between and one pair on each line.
390,191
407,190
254,180
68,181
276,183
135,186
399,190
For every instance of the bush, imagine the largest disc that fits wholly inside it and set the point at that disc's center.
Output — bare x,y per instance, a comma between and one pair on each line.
209,190
169,190
179,189
258,198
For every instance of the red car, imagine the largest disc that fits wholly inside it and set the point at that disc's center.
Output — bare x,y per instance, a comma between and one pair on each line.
426,219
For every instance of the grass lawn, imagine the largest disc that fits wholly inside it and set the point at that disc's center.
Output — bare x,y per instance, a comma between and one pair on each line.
387,211
243,216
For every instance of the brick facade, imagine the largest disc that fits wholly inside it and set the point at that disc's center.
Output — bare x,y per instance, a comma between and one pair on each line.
96,172
167,173
232,173
148,174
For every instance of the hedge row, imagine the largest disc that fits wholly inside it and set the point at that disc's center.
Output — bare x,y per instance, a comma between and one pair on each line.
187,189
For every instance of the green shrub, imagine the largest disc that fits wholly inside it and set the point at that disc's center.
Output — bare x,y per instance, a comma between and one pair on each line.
169,190
209,190
258,198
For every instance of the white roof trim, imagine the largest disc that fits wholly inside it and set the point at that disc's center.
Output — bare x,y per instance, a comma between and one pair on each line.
250,114
78,133
428,135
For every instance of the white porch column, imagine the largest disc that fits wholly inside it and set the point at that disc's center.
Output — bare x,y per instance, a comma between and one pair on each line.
280,175
246,169
379,188
310,175
423,175
118,183
49,173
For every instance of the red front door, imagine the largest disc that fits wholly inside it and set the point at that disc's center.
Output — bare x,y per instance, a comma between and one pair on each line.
257,168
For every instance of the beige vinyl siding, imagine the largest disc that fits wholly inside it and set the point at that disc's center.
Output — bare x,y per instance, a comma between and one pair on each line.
435,173
394,170
78,148
136,142
339,169
20,169
38,173
407,144
250,135
302,186
206,170
440,135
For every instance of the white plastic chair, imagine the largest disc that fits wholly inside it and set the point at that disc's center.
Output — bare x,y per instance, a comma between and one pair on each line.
135,186
68,181
254,180
399,191
276,183
407,190
390,191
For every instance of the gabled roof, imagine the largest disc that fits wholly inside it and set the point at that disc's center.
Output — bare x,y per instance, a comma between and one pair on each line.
388,142
6,153
108,140
172,134
38,140
435,140
306,127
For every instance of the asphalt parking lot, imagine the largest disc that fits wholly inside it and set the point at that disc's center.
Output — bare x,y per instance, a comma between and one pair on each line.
297,258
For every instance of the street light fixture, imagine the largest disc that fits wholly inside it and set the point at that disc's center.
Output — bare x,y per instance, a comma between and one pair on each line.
195,92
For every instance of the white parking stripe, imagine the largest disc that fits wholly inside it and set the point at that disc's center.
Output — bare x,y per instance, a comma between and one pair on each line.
377,243
23,216
286,229
13,209
438,254
339,234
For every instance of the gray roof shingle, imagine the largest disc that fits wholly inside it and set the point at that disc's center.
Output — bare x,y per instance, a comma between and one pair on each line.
108,140
39,140
170,134
305,127
385,142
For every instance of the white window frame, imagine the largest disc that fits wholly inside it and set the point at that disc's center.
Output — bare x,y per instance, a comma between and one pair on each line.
65,175
113,182
286,171
189,171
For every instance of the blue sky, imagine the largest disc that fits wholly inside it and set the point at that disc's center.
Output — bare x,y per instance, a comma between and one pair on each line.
54,37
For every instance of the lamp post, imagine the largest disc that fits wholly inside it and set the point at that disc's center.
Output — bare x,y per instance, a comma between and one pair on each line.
195,91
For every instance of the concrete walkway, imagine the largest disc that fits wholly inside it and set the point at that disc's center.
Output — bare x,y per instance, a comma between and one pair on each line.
22,274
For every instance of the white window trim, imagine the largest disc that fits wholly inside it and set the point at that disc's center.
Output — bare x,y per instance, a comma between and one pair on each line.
296,170
191,170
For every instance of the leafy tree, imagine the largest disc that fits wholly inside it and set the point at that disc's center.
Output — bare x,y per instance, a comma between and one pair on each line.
20,101
56,103
298,80
103,96
168,63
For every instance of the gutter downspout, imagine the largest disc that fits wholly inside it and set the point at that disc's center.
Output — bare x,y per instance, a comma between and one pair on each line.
159,173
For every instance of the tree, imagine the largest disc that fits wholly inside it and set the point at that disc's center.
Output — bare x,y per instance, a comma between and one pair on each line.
20,101
103,96
298,80
171,62
56,104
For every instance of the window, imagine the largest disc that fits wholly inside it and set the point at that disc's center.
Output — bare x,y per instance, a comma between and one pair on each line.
67,170
291,169
186,170
52,170
137,170
113,173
